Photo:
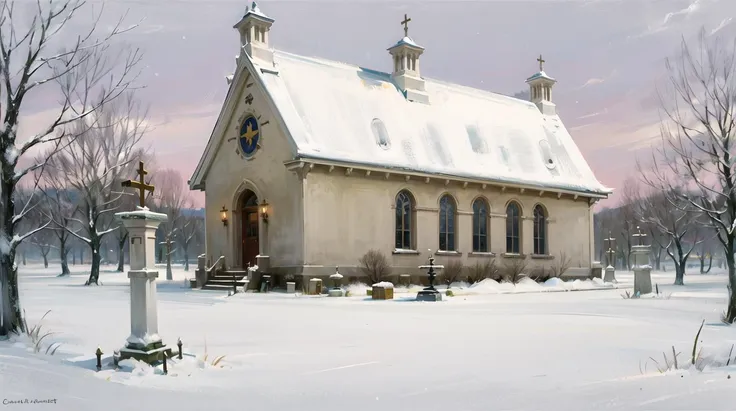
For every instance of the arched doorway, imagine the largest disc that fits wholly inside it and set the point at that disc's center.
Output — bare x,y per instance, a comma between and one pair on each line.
248,207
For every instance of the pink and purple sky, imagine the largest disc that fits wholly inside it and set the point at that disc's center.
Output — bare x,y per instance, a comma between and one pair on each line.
608,58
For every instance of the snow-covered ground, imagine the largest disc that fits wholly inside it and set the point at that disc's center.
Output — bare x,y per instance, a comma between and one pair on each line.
479,350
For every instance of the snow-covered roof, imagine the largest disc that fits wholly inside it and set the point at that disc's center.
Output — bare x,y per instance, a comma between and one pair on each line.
345,113
540,74
408,42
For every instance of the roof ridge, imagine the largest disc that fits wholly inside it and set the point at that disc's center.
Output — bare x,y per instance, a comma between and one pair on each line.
443,83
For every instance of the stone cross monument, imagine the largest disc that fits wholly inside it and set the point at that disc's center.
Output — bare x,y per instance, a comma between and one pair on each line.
610,275
144,343
642,269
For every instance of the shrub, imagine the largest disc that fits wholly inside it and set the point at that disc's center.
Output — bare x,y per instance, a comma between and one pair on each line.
541,274
452,271
36,337
562,265
481,271
375,266
515,270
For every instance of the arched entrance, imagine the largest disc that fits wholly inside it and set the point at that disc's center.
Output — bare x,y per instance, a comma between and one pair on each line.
248,207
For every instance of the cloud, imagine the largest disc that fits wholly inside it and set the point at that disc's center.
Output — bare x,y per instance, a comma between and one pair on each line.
154,28
723,24
592,82
597,113
670,19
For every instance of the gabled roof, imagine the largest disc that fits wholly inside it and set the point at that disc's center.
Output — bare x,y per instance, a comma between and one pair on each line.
344,113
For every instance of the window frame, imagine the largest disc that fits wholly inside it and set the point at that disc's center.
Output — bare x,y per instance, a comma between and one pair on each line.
513,237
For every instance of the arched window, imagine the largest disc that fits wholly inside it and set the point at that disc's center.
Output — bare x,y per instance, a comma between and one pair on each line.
447,223
480,226
540,230
404,221
513,228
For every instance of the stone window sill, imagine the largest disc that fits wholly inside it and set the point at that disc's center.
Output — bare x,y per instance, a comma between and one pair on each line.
481,254
513,255
543,257
401,251
448,253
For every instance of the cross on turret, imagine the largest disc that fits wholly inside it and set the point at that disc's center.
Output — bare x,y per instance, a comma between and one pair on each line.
405,22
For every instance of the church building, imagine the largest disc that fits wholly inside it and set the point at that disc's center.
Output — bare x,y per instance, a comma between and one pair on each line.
315,162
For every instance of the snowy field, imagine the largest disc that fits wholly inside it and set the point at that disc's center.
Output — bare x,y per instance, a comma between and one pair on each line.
576,350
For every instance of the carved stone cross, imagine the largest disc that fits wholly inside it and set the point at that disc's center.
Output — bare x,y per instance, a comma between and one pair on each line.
140,185
639,234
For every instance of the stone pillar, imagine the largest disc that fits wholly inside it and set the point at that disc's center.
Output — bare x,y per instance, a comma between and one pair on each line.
642,269
144,343
201,274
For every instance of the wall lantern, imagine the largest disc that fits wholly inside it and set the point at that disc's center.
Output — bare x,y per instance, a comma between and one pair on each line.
223,216
264,211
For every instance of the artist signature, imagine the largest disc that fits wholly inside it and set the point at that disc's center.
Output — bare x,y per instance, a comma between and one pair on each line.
29,401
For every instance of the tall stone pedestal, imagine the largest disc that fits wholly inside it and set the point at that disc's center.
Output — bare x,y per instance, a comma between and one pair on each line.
642,269
144,343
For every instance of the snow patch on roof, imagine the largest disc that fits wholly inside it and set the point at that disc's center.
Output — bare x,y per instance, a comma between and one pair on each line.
329,107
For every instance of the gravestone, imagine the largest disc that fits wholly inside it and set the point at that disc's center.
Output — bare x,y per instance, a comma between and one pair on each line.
642,269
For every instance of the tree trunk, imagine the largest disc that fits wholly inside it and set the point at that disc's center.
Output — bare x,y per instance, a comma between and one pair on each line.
63,253
45,260
731,310
710,264
81,256
186,257
169,274
74,257
121,252
11,318
701,257
24,256
679,273
94,273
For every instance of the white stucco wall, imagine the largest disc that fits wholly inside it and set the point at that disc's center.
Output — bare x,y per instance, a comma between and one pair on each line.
348,215
264,174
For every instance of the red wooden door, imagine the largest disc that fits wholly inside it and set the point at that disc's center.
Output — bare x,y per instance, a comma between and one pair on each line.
250,236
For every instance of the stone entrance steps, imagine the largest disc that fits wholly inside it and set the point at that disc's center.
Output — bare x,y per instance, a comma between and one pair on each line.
224,280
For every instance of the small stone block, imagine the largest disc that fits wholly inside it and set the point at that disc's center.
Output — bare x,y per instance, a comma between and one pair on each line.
291,287
335,292
642,281
429,295
382,292
315,286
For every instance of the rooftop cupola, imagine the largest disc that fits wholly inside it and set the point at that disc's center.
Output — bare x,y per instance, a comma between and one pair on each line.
540,89
405,54
253,29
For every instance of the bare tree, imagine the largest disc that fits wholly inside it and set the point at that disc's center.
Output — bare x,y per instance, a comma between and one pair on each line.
98,154
667,214
191,229
79,69
699,138
57,206
171,198
127,202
